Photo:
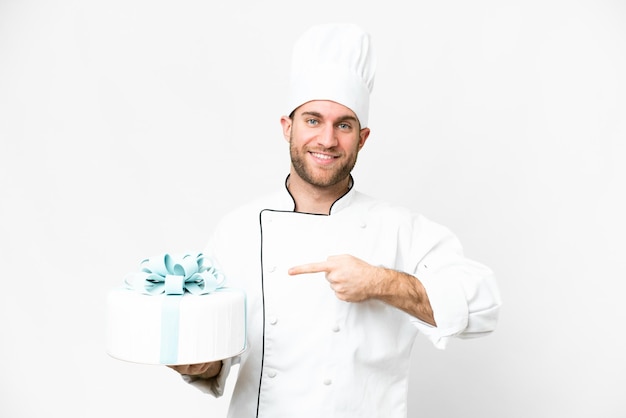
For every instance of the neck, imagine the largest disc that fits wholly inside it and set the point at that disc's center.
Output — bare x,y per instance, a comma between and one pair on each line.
315,199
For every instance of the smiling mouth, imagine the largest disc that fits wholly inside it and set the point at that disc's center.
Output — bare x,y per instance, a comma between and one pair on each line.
322,156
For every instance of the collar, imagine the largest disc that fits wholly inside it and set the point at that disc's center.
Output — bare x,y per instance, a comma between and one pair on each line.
287,200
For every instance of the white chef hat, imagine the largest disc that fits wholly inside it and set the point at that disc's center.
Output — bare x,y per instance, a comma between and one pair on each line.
333,62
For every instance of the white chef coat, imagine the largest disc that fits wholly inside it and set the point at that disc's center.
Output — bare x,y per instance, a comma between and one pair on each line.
312,355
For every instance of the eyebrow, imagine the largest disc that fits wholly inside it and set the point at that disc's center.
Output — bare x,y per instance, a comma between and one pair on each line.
319,115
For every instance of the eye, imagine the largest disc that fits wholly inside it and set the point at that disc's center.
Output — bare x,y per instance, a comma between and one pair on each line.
344,126
312,122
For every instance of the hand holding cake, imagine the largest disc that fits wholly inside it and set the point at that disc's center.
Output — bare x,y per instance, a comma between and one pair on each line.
202,370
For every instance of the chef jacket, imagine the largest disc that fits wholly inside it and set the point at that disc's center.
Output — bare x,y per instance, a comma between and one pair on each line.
310,354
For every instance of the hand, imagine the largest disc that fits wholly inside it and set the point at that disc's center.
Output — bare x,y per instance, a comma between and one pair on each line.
204,370
352,279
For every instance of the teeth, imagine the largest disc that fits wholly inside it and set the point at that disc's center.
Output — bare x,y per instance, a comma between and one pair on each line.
322,156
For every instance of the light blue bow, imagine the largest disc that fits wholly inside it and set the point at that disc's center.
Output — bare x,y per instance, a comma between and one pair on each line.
175,274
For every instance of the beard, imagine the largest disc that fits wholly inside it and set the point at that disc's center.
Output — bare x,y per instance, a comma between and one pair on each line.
320,178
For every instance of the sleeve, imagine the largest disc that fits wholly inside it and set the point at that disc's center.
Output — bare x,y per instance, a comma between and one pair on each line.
215,385
463,293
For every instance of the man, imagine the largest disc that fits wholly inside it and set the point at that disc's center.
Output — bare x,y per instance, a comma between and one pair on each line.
338,284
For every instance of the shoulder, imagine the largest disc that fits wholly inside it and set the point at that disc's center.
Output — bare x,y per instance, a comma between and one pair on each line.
378,208
248,213
392,215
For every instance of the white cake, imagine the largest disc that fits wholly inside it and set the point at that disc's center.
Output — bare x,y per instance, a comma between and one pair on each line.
175,329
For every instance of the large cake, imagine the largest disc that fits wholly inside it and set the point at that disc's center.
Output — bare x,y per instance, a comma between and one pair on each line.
175,311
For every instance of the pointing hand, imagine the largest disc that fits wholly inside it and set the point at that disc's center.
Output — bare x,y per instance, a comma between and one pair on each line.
352,279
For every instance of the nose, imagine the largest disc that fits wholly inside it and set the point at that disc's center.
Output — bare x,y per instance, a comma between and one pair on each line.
327,138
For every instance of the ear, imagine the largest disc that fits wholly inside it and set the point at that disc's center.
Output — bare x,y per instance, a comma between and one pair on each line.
363,135
286,123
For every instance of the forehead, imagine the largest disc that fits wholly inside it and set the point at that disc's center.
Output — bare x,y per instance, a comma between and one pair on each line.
326,109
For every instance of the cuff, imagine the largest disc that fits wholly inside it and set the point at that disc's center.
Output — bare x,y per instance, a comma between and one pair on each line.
214,385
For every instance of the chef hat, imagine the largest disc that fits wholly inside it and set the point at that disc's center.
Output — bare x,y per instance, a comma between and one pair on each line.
333,62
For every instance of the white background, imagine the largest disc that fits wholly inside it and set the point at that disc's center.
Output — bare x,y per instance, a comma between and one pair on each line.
128,127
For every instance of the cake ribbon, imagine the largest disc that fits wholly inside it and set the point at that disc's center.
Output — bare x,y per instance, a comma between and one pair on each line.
173,275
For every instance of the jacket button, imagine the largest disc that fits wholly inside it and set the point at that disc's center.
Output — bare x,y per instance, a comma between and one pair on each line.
336,328
273,320
327,382
271,374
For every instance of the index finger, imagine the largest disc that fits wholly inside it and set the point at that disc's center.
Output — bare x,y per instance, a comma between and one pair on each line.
308,268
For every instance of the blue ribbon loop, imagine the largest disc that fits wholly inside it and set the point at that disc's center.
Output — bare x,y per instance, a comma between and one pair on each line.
173,275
